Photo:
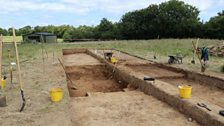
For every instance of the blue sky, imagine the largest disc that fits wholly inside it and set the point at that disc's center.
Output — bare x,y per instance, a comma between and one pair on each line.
19,13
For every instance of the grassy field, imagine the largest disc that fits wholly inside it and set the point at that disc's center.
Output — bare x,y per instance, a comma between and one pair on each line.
143,48
19,39
10,38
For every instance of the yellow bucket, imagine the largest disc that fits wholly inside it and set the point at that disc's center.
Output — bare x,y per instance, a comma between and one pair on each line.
113,60
56,94
185,91
3,84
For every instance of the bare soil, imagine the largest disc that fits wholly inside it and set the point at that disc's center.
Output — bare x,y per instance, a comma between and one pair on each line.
200,90
79,59
91,79
211,94
123,58
114,108
154,71
39,109
132,108
108,105
88,75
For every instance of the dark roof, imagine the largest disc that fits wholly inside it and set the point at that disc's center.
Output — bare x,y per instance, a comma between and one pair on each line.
40,33
44,33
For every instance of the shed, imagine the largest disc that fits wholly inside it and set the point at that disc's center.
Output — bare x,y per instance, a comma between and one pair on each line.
40,37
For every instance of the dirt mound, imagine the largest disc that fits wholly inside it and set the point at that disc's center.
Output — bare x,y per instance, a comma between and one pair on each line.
217,50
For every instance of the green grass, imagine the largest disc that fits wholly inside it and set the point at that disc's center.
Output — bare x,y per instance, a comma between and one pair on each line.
142,48
19,39
59,40
10,38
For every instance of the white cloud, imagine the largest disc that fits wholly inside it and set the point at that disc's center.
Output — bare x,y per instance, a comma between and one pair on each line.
201,4
26,5
112,6
74,6
85,6
38,12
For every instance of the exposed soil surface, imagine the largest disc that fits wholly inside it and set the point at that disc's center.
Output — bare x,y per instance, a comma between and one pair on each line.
91,79
132,108
88,75
39,109
79,59
200,90
122,58
108,105
154,71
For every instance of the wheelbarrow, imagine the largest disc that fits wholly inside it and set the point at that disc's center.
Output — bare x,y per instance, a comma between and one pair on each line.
108,55
175,59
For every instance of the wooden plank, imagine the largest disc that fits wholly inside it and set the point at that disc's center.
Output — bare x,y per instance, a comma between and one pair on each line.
17,59
10,66
1,42
19,71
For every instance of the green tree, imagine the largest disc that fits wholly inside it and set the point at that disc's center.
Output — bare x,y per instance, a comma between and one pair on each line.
3,31
168,19
68,33
215,26
25,30
105,30
178,19
60,30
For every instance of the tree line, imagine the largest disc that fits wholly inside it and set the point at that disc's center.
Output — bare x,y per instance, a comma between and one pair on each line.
171,19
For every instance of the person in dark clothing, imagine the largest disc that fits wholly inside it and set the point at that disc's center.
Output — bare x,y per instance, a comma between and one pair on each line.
204,54
204,58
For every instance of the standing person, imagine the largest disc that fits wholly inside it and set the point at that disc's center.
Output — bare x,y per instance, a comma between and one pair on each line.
204,58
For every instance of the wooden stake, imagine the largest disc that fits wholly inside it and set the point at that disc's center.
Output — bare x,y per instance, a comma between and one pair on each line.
10,66
53,57
1,42
17,60
18,70
202,66
195,51
46,53
2,98
42,51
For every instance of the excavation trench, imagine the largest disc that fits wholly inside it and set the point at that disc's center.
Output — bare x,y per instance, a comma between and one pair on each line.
133,69
200,89
92,78
89,75
108,104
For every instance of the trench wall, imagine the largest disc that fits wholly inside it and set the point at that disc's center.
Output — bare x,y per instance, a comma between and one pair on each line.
158,90
201,77
163,92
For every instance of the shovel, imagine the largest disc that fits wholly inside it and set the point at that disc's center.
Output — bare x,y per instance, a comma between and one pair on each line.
204,106
19,72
